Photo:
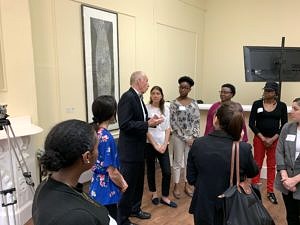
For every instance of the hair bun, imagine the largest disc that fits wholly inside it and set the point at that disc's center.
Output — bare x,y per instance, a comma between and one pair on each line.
52,161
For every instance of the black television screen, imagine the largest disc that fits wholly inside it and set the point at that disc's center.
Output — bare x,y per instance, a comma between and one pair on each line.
263,63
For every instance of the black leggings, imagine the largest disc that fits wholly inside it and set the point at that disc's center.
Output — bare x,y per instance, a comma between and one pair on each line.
164,161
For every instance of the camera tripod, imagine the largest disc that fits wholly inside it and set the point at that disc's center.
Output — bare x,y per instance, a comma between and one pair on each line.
8,190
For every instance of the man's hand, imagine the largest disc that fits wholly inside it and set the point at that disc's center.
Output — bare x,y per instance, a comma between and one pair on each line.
155,120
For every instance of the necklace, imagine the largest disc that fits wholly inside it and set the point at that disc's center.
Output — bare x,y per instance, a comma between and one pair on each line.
84,196
80,193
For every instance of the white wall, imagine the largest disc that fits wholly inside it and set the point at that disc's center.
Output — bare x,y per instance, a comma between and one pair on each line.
18,88
41,49
162,38
231,24
166,39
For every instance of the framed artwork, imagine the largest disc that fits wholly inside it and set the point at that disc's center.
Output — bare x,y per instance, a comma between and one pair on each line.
101,56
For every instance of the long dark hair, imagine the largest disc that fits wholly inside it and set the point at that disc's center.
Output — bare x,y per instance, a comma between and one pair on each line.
66,142
231,119
162,101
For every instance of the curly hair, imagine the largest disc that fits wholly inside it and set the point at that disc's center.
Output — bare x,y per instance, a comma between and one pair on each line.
186,79
66,142
231,87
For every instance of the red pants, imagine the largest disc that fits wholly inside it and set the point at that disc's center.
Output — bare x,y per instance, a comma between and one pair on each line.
259,154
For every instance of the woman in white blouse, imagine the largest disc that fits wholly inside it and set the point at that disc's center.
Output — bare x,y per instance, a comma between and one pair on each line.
157,147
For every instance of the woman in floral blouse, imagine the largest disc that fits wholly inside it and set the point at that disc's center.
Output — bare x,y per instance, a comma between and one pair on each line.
107,183
185,124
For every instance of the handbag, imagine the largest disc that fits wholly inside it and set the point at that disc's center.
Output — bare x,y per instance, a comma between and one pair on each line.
242,206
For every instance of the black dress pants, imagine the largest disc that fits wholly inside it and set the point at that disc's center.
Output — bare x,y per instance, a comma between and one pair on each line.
164,162
112,210
292,209
131,200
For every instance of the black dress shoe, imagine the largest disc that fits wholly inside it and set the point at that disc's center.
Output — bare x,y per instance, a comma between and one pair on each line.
272,198
141,215
171,204
155,201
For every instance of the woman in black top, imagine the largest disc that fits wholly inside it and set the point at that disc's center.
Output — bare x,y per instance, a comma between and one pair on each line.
208,166
71,147
267,117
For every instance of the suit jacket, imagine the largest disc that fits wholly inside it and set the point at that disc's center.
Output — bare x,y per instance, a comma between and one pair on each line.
285,157
208,169
133,127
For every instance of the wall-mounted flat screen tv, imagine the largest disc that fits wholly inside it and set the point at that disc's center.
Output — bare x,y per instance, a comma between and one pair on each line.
262,63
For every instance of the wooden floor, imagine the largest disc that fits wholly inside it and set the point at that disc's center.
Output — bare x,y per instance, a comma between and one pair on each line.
164,215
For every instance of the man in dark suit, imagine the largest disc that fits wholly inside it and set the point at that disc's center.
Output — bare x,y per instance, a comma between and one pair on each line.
133,123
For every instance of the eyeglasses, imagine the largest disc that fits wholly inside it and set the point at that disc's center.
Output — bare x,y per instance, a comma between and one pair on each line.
268,90
225,92
184,87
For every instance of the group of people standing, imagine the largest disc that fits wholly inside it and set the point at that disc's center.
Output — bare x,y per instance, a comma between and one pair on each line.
145,134
209,158
116,188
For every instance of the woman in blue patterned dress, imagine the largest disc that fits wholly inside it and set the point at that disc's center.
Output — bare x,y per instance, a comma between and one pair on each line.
107,182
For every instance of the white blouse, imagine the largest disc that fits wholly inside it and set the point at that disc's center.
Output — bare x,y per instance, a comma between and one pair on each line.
158,133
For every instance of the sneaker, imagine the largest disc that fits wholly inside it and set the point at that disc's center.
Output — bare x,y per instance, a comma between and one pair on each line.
272,198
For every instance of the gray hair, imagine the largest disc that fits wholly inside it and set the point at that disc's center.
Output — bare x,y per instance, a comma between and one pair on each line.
136,76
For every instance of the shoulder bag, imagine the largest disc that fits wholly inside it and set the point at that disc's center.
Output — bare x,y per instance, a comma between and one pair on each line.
242,206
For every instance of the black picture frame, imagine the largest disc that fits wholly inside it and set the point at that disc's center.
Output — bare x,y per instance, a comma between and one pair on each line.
101,55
